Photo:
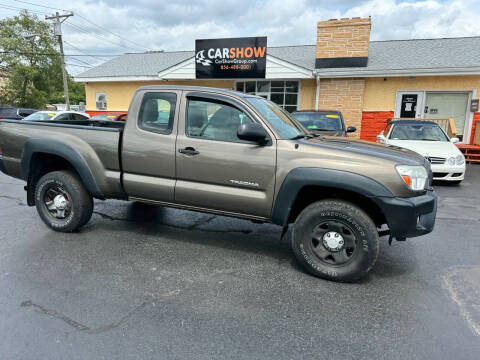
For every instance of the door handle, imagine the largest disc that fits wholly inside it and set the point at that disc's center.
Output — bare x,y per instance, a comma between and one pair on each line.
188,151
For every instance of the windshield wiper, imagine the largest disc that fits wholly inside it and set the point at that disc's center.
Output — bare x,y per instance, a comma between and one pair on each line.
301,136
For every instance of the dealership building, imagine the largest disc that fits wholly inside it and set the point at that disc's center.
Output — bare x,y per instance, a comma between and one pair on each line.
368,81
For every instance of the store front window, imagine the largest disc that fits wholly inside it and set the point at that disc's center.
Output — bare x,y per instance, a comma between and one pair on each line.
283,93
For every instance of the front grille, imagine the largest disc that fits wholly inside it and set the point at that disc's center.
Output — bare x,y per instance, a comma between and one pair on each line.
436,160
439,174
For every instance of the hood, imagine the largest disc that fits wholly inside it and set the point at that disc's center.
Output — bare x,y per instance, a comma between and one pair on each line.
388,152
328,132
443,149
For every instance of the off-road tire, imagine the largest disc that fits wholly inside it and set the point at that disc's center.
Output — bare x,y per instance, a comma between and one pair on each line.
81,203
350,219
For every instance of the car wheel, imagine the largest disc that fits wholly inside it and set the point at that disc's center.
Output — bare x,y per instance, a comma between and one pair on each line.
62,201
335,240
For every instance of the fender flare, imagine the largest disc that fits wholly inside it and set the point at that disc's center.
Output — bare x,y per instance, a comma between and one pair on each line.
298,178
55,147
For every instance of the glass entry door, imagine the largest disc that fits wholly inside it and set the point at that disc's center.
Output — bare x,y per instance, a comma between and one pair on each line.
444,105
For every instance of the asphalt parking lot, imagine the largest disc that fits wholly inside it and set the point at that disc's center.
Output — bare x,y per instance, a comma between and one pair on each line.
141,282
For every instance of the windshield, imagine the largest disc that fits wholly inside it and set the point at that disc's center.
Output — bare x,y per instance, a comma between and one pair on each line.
40,116
425,132
284,124
327,121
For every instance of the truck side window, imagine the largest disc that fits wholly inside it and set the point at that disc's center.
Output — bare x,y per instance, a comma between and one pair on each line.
214,121
157,112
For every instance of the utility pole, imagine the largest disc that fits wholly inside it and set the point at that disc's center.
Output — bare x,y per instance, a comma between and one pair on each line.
57,30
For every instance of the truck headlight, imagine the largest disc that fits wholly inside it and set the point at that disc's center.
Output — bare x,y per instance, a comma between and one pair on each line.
451,161
460,159
415,176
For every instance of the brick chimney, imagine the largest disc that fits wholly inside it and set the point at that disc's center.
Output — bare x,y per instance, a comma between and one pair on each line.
342,43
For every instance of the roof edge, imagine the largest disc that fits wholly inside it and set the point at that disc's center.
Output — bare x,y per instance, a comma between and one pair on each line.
399,72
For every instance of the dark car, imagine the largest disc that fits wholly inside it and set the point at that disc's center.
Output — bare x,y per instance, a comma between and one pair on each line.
15,113
110,117
323,122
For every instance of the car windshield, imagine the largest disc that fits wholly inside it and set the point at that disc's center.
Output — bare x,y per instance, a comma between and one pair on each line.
320,120
425,132
40,116
284,124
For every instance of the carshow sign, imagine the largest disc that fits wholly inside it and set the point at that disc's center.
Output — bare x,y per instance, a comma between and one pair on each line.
231,58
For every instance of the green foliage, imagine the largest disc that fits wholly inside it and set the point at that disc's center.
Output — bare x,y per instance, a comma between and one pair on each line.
29,55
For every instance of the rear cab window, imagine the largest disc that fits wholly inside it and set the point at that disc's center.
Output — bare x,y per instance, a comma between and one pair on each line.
157,112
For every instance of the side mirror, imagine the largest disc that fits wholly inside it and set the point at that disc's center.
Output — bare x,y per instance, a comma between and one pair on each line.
454,140
381,138
351,129
252,132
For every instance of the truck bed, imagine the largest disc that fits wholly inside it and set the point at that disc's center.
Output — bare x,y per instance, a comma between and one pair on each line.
98,142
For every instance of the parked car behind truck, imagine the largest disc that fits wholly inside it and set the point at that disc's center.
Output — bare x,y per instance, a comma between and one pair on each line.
228,153
429,140
15,113
323,122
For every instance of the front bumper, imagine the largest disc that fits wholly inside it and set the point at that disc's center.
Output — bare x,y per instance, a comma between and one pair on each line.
409,217
448,173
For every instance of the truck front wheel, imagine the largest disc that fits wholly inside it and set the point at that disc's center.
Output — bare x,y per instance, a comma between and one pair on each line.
335,240
62,201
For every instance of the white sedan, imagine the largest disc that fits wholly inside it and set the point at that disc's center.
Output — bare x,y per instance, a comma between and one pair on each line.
429,140
57,116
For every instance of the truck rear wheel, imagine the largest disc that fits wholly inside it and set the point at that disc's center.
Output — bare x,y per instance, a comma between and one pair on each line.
335,240
62,201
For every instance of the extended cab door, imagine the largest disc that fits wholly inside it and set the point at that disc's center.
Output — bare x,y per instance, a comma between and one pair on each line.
148,151
215,169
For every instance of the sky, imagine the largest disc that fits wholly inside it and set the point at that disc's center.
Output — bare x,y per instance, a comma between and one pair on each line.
112,27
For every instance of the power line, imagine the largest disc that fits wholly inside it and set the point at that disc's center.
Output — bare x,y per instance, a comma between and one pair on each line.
51,54
90,22
81,61
77,27
14,8
83,52
99,36
83,66
43,6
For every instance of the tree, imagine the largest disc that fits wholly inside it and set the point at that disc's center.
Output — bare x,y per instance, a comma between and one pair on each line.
28,52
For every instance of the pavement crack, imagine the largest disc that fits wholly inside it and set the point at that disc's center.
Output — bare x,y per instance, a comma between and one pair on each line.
75,324
200,222
109,217
19,201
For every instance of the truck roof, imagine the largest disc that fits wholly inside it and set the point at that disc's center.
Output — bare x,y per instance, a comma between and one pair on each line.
196,88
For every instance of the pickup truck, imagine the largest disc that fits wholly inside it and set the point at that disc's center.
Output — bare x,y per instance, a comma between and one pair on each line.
228,153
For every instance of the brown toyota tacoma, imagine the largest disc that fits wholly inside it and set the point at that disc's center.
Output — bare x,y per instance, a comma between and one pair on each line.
228,153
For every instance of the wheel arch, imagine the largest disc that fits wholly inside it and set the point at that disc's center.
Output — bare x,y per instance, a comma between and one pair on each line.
41,156
303,186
